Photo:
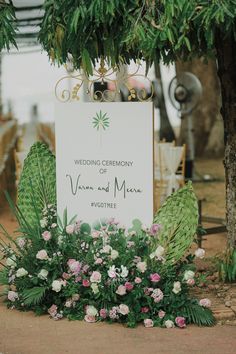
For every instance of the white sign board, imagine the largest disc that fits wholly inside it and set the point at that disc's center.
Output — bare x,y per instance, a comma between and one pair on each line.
104,157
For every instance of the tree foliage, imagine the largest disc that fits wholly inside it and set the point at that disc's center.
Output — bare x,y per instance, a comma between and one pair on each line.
121,30
7,27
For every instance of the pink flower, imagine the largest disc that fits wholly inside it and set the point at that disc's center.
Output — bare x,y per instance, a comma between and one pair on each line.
103,313
66,275
205,303
52,310
148,323
90,318
129,286
46,235
123,309
12,296
98,261
121,290
180,321
95,234
21,242
42,255
86,283
161,314
157,295
75,267
154,229
70,229
96,277
142,266
155,277
78,278
145,309
190,282
85,268
113,313
137,280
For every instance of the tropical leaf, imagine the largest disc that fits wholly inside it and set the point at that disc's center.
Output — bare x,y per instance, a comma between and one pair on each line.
37,186
4,277
178,218
199,315
34,295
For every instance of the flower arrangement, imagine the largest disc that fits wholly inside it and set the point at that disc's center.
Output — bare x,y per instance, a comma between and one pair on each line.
66,269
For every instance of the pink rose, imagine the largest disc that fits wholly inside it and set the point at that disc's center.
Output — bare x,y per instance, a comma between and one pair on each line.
70,229
142,266
78,278
46,235
190,282
42,255
103,313
66,275
98,261
85,268
121,290
157,295
145,309
21,242
205,303
95,277
123,309
161,314
180,321
154,229
137,280
75,267
12,296
129,286
52,310
95,234
86,283
148,323
90,318
155,277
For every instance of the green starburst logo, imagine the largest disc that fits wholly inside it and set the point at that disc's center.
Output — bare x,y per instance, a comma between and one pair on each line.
101,121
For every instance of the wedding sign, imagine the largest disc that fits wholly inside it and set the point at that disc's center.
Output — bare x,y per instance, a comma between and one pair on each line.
104,157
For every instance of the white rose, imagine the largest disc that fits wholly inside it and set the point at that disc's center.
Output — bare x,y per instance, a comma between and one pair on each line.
60,240
106,249
10,262
200,253
114,254
56,285
91,311
70,229
142,266
124,272
43,222
123,309
158,253
177,287
188,274
43,274
21,272
42,255
94,288
169,324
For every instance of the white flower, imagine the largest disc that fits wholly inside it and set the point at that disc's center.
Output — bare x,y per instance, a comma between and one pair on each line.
21,272
43,222
42,255
205,303
70,229
95,277
121,290
188,274
94,288
43,274
169,324
123,309
200,253
12,296
124,272
177,287
114,254
91,311
60,240
142,266
112,272
10,262
158,253
56,285
106,249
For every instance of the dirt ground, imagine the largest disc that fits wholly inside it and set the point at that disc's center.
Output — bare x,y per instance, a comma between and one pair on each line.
23,333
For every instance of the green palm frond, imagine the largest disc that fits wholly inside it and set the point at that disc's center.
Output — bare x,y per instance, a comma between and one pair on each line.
37,186
34,295
178,218
101,121
199,315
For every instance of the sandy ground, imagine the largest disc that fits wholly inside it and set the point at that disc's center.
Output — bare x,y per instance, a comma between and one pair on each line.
23,333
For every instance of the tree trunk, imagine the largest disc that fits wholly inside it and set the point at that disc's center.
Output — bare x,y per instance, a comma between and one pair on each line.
207,121
166,130
226,54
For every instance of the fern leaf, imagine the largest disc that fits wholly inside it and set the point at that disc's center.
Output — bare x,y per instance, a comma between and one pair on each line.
199,315
34,295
